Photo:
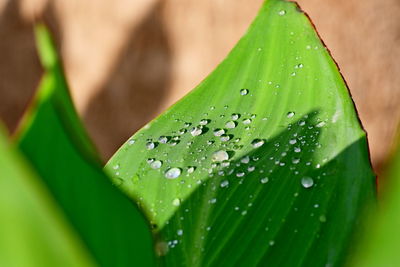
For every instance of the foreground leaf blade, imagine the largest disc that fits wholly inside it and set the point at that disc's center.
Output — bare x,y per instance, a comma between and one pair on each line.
54,140
33,231
265,162
380,237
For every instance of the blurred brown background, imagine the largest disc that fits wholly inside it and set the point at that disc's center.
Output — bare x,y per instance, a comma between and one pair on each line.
128,60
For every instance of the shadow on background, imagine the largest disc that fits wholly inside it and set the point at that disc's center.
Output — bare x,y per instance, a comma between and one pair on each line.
20,69
135,88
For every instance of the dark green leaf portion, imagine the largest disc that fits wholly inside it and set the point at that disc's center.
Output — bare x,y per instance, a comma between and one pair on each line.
270,217
33,231
276,109
54,140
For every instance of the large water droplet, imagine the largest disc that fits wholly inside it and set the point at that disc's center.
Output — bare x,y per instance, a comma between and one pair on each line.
173,173
244,91
220,155
307,182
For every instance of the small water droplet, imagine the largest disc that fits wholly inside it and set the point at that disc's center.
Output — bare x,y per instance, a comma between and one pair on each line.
307,182
173,173
240,174
297,149
244,91
191,169
264,180
290,114
116,166
204,122
156,164
176,202
322,218
246,121
271,243
231,124
150,145
179,232
219,132
220,155
282,12
163,139
212,201
225,183
245,160
320,124
257,143
235,116
131,141
225,138
196,131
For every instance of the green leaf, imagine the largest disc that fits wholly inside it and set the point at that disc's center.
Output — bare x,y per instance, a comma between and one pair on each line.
287,187
33,231
54,140
380,240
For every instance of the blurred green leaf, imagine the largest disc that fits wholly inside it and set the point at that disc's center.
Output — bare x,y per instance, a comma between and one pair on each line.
380,240
54,140
33,231
265,162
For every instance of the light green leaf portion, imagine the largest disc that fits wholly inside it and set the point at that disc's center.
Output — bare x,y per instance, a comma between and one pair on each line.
285,182
33,231
54,140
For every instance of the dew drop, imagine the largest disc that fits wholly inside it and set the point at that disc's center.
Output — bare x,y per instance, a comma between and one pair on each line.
264,180
290,114
204,122
191,169
220,155
246,121
176,202
235,116
322,218
244,91
224,183
156,164
196,131
320,124
150,145
173,173
219,132
245,160
297,149
163,139
179,232
225,138
131,141
257,143
230,124
307,182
